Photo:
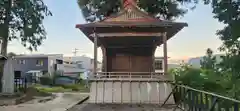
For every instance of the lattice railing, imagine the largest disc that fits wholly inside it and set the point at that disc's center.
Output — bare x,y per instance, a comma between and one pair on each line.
190,99
129,75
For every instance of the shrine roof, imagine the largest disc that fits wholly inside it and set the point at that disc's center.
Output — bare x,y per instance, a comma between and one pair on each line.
131,19
132,24
130,15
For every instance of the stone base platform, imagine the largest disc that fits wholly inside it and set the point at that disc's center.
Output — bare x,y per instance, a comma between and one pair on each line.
130,92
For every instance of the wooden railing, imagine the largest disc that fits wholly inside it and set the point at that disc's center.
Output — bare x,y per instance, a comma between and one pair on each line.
129,75
190,99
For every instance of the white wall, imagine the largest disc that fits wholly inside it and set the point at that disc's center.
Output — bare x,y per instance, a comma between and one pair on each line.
130,92
52,61
87,62
69,68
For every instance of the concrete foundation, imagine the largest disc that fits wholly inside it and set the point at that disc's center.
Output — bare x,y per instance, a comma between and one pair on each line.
130,92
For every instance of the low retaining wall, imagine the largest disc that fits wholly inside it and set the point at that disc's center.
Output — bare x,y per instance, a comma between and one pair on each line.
130,92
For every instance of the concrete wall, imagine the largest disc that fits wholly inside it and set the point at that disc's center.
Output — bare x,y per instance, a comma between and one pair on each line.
8,77
130,92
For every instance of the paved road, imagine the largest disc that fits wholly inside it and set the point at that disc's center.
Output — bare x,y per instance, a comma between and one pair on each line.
61,103
119,107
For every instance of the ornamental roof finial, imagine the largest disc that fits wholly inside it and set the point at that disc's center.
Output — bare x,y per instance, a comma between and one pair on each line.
129,3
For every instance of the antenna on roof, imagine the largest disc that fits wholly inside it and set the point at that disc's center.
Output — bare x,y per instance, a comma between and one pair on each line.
75,51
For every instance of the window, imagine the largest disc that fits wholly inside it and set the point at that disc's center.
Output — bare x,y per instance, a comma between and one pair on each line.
17,74
59,61
80,66
39,63
158,65
21,62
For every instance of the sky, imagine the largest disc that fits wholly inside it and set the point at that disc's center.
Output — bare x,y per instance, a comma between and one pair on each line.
63,37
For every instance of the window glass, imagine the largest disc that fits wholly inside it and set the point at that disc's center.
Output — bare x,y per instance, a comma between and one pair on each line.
39,62
158,65
21,62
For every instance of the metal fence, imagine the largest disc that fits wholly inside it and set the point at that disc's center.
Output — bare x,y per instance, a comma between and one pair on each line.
189,99
20,84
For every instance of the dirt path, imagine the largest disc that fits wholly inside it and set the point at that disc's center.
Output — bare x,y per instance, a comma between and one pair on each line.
62,102
120,107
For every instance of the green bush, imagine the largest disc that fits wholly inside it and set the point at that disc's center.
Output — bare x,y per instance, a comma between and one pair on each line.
46,81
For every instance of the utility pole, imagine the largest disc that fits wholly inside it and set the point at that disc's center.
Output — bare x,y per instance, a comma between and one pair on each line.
75,51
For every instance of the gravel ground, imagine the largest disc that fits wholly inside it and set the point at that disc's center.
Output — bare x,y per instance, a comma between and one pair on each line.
119,107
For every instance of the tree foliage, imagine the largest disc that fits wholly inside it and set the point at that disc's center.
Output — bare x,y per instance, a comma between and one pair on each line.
11,54
209,60
163,9
228,13
23,20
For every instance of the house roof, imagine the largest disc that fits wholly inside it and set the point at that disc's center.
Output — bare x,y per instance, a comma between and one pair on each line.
37,55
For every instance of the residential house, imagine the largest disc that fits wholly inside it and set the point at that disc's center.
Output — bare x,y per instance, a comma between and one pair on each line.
159,66
86,63
71,68
46,63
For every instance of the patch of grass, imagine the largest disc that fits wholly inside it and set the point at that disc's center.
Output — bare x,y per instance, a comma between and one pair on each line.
51,89
62,88
76,87
33,91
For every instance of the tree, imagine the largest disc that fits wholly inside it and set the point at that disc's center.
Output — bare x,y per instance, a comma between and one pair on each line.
208,61
11,54
22,20
163,9
228,13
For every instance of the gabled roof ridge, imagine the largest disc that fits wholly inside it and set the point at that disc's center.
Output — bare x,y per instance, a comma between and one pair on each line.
136,10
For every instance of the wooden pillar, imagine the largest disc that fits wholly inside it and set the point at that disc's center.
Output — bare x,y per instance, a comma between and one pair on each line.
95,54
165,52
153,58
104,62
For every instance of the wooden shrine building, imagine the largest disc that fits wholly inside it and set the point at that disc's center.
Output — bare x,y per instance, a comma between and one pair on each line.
128,41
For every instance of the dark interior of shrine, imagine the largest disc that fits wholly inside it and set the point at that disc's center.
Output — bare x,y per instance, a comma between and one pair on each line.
129,54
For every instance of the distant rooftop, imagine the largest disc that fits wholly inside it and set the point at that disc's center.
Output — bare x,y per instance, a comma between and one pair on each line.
36,55
78,58
160,57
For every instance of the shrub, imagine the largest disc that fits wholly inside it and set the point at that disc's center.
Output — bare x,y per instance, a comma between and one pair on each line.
46,81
